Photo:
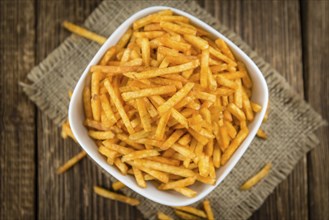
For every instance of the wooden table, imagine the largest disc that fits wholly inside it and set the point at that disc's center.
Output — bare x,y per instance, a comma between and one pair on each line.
291,35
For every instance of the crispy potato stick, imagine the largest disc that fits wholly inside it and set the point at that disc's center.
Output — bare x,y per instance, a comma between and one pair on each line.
206,180
184,215
236,112
178,184
126,96
67,132
149,19
198,137
165,160
145,47
134,62
221,56
121,166
84,32
238,94
143,114
257,177
204,68
164,71
161,176
101,135
170,103
117,148
203,165
192,210
165,168
230,129
261,134
139,177
95,102
224,48
212,83
185,140
176,28
71,162
107,108
172,139
152,27
186,192
149,34
115,99
185,152
114,196
162,216
97,125
108,55
246,106
87,102
234,145
124,39
246,78
224,92
224,138
161,128
139,154
131,143
205,96
221,80
207,208
197,42
117,185
114,70
255,107
180,46
171,18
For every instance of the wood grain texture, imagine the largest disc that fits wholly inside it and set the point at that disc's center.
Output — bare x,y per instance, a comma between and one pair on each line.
17,114
71,193
316,51
273,29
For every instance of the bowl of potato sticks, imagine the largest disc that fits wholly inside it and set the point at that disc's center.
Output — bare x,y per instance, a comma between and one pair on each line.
168,106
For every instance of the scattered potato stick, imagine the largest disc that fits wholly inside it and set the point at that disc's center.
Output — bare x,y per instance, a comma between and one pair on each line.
207,208
186,192
192,210
84,32
67,132
184,215
162,216
139,154
261,133
114,196
117,185
71,162
257,177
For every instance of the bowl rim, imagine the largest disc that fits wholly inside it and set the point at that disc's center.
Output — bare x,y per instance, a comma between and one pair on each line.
242,148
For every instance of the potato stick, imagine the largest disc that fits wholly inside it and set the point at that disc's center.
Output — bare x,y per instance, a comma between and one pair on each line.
117,148
134,62
257,177
198,137
148,177
192,210
162,216
169,52
238,113
139,154
175,77
246,106
224,48
101,135
143,114
71,162
212,83
203,165
66,130
204,68
178,184
230,76
206,180
107,108
219,68
224,138
163,71
187,73
145,141
163,177
185,140
255,107
174,18
139,177
87,102
197,42
170,103
172,139
186,152
126,96
165,167
114,70
150,108
149,19
205,96
216,156
139,135
125,56
124,39
97,125
227,83
234,145
186,192
84,32
183,215
96,77
261,134
153,27
209,148
212,171
180,46
148,34
230,129
224,92
117,103
221,56
108,55
238,94
207,208
165,82
165,160
145,46
160,130
114,196
177,60
117,185
121,166
176,28
131,143
246,78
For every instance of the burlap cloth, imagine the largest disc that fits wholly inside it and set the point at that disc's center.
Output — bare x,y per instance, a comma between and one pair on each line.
290,126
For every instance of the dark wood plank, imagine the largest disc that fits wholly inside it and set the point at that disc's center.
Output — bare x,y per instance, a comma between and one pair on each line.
316,51
17,113
71,194
272,28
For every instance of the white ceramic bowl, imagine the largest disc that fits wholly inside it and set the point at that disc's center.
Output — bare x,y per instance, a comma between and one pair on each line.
76,116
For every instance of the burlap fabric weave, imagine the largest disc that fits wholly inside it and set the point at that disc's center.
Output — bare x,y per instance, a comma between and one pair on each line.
291,123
